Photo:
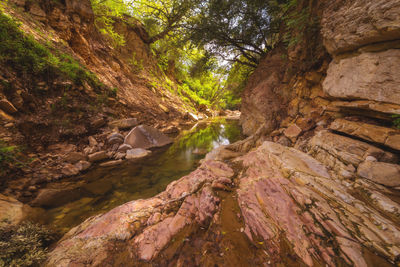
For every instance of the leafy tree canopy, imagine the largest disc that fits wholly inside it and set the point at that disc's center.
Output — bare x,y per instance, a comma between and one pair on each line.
194,40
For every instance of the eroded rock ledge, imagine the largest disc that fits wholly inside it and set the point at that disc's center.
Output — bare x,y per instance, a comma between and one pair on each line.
272,205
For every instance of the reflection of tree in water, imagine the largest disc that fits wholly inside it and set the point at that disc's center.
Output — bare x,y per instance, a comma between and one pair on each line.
180,158
207,137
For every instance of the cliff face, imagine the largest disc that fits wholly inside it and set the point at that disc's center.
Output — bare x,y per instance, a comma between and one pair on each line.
362,42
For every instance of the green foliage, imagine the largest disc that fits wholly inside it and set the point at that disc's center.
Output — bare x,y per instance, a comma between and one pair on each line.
236,29
235,84
24,245
396,121
3,5
28,57
106,12
188,94
163,18
205,136
137,65
297,22
8,157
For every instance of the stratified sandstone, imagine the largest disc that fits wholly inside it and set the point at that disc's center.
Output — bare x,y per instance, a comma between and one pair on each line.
378,134
370,76
347,25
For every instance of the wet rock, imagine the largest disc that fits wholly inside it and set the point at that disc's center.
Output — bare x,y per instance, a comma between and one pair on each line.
124,147
7,106
83,165
145,137
380,172
111,163
74,157
137,153
292,132
69,170
98,156
12,212
124,123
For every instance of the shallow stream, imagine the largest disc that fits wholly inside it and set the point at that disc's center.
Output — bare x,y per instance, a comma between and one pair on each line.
102,189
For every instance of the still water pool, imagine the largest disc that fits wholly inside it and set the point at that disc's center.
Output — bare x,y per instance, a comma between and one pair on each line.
102,189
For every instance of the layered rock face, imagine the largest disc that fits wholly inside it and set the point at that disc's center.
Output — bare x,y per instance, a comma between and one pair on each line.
363,39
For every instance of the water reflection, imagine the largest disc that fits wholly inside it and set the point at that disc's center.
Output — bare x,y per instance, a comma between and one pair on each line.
106,188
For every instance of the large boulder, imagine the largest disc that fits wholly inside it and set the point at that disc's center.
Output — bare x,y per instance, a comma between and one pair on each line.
347,25
12,211
146,137
370,76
